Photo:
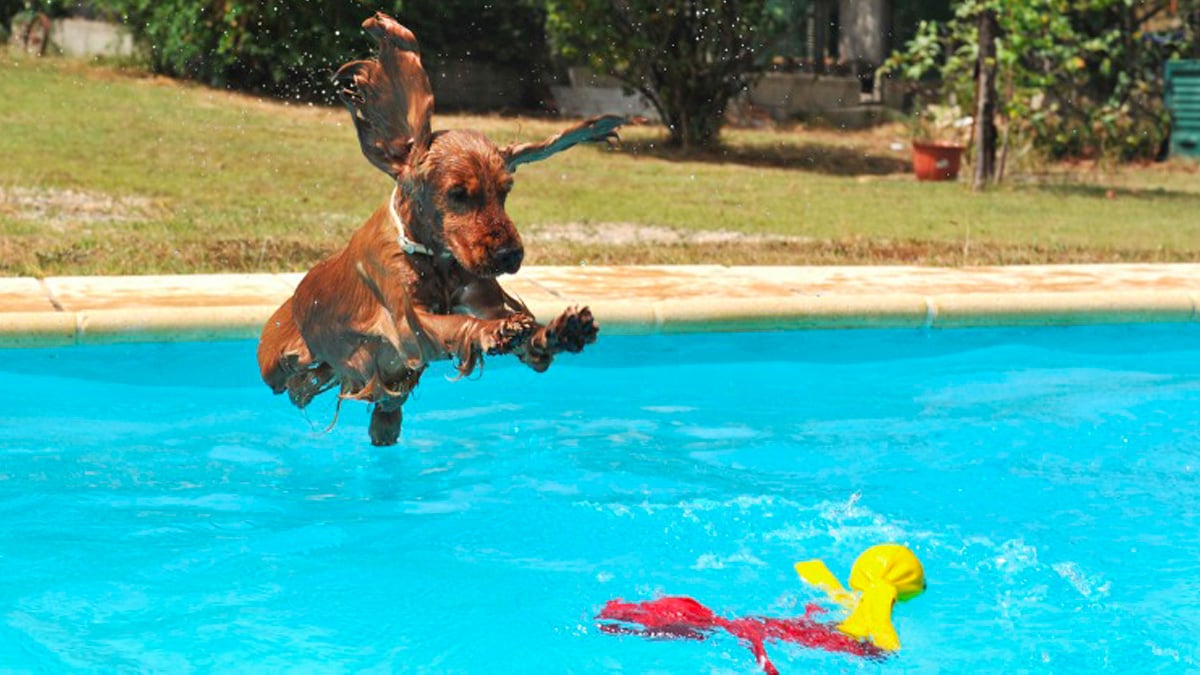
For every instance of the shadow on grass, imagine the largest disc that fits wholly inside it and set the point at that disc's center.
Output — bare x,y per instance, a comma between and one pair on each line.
1101,191
833,160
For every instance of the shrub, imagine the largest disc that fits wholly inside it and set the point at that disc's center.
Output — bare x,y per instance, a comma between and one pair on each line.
291,49
283,49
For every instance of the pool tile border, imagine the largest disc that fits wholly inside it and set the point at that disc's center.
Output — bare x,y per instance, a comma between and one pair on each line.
961,310
60,311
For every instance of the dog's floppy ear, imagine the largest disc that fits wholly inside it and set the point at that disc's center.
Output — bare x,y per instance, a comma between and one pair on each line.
389,98
594,130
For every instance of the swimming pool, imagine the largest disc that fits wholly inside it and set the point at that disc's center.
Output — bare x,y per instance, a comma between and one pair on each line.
160,510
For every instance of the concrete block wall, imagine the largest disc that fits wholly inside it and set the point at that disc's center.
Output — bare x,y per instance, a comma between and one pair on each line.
85,37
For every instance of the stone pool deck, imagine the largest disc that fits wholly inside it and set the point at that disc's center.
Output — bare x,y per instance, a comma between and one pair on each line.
627,300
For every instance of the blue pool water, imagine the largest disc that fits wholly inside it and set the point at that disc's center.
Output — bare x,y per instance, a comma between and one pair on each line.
160,510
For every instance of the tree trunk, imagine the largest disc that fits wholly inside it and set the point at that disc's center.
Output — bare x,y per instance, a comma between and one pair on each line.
985,102
695,113
696,128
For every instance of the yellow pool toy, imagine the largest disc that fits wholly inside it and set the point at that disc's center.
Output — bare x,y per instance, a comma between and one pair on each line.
883,574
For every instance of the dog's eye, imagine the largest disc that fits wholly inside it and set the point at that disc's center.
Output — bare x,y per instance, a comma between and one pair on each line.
458,194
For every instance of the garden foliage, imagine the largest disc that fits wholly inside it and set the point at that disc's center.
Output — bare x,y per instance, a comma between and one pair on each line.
1077,78
291,49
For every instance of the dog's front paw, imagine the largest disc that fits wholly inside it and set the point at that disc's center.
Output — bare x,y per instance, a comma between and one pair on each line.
572,329
508,334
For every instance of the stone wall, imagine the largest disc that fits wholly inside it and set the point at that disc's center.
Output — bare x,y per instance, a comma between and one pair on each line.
782,96
84,37
791,95
591,94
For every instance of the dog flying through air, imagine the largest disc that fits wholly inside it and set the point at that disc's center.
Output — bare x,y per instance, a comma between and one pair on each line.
417,282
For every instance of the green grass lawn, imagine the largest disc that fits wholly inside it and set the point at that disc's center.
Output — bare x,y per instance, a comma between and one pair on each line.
107,172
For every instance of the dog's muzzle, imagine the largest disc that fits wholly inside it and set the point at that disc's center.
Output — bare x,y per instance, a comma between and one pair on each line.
508,259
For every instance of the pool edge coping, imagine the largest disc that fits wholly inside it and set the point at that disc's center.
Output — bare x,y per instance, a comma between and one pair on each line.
182,316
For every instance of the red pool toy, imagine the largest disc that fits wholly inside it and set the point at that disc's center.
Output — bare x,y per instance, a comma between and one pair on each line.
684,618
881,576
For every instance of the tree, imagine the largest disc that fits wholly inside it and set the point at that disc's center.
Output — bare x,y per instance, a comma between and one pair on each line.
687,57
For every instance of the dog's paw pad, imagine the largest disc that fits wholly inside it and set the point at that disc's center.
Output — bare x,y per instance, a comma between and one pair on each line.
575,328
509,334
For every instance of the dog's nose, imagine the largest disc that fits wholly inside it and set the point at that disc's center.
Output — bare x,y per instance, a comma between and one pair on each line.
508,259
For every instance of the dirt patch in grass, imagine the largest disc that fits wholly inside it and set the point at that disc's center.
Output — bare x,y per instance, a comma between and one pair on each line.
633,244
127,253
633,234
41,255
843,251
62,208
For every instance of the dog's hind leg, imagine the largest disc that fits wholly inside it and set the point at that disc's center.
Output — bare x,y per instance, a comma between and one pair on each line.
385,422
386,414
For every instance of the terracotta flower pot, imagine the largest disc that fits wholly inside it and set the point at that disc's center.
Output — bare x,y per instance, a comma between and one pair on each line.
936,161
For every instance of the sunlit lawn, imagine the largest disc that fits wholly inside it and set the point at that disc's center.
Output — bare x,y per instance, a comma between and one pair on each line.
208,181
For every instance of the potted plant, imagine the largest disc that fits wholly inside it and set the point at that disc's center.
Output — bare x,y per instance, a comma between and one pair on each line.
939,138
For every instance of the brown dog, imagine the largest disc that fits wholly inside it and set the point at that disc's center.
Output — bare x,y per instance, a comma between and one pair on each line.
417,282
